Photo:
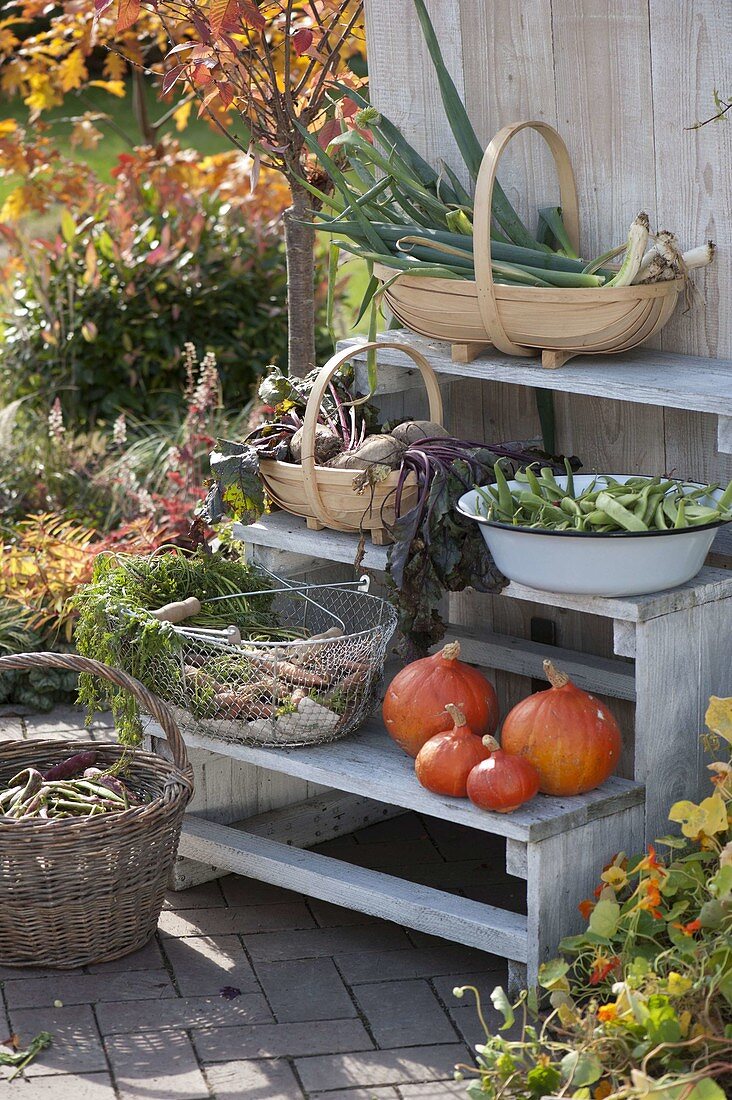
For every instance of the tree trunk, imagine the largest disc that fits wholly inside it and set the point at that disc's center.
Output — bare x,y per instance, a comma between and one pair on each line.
300,249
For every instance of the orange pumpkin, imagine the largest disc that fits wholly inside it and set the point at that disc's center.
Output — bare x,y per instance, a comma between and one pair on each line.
444,762
570,737
415,701
502,782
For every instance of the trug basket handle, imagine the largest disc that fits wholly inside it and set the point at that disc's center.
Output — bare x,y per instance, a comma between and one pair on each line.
312,409
70,662
484,187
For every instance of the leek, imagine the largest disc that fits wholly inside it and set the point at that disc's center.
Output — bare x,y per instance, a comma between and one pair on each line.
635,248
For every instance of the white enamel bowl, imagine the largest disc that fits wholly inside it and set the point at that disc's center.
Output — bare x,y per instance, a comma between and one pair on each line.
617,564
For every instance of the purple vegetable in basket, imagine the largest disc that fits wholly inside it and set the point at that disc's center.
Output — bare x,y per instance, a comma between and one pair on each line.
111,783
72,766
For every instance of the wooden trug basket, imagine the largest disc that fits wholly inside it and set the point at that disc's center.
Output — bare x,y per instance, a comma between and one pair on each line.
326,496
559,322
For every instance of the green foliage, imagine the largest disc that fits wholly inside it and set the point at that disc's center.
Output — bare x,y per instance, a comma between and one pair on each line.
41,689
641,1002
114,626
100,315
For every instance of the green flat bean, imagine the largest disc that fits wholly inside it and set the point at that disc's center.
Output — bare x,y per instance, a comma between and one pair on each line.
681,520
621,515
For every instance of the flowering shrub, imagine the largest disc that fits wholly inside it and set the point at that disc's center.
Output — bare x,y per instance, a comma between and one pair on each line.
641,1002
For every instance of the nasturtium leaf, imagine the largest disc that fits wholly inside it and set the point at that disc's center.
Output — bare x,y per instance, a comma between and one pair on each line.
502,1004
721,883
712,914
581,1068
705,819
662,1023
552,972
604,918
719,717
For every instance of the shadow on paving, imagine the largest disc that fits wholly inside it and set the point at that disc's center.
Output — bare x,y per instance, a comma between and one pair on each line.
319,1001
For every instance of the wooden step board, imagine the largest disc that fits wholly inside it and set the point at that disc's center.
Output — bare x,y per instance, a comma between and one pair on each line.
368,763
281,531
644,376
422,907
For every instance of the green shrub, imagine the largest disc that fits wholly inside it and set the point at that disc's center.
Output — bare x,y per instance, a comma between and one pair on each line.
100,314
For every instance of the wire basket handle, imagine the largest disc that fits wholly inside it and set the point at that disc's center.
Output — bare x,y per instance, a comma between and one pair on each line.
70,662
312,410
485,184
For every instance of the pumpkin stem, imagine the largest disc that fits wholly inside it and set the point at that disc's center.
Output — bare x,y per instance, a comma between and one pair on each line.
455,713
490,743
556,678
451,651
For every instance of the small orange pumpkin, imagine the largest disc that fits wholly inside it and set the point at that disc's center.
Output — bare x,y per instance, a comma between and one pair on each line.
444,762
415,701
570,737
502,782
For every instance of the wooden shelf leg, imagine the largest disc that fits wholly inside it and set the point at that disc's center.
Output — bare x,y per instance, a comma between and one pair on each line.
681,659
564,869
466,353
551,358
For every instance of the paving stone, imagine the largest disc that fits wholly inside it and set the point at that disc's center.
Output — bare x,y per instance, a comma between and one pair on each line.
419,962
357,1094
454,877
156,1064
305,989
407,826
337,916
204,964
462,1010
76,1048
239,890
268,1080
413,853
86,1086
147,958
182,1012
363,940
380,1067
509,893
404,1013
340,847
78,988
242,919
205,896
221,1044
433,1090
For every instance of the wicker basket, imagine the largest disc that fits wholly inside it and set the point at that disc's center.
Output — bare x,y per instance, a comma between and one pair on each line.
87,890
561,323
326,497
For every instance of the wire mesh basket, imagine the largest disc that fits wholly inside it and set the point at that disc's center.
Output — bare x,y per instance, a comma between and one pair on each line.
317,687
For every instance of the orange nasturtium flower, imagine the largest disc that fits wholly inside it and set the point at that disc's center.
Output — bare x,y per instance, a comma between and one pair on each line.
650,898
602,968
650,863
602,1090
690,928
606,1013
585,907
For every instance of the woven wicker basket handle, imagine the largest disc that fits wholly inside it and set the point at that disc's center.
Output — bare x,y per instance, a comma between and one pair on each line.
310,477
482,222
70,662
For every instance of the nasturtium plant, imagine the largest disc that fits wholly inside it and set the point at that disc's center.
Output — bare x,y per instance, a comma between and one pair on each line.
640,1004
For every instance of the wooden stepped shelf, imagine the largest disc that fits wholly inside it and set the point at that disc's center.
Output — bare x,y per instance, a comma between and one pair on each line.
368,763
644,376
281,531
432,911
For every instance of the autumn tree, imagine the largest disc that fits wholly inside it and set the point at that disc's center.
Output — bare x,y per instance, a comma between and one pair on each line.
264,73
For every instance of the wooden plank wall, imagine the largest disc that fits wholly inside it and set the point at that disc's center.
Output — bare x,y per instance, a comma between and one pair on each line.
620,79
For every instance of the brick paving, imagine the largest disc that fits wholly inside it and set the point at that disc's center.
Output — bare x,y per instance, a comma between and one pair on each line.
332,1004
